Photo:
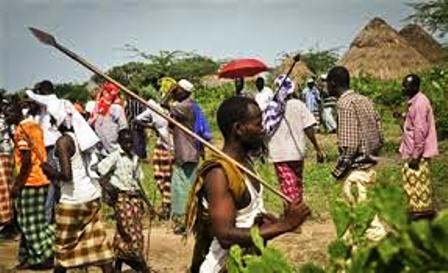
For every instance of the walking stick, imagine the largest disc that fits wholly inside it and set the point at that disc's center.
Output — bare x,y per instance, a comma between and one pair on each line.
49,40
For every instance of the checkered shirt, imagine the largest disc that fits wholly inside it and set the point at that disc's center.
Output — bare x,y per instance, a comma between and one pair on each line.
359,132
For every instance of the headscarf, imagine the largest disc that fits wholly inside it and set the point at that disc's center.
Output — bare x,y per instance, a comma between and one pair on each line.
166,83
108,95
275,110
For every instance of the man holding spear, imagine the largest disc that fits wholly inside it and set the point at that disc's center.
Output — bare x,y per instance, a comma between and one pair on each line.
224,203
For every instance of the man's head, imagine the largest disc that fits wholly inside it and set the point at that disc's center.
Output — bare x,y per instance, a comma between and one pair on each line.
13,113
125,140
411,85
259,82
239,85
240,120
182,90
44,88
338,81
310,83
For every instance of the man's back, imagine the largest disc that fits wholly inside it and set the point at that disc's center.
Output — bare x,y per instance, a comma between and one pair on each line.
359,123
288,142
184,145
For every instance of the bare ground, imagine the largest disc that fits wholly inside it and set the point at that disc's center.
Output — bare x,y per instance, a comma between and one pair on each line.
169,253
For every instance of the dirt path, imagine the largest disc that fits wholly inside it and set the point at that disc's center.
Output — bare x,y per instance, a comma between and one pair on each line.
168,253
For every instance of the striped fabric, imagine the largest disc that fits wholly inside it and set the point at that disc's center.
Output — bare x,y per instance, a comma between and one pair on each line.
275,109
37,236
6,209
163,161
81,237
418,188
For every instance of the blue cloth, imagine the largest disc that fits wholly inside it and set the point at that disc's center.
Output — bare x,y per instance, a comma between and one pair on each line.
312,98
200,126
181,181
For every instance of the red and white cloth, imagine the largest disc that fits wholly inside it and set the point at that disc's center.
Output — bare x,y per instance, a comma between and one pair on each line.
290,176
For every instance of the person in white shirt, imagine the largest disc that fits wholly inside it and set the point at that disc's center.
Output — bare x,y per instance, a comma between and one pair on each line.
51,134
287,147
265,94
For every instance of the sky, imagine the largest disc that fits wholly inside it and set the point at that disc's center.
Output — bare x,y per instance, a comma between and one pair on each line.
99,29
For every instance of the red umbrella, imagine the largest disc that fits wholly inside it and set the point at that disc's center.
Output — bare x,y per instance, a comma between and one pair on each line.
241,68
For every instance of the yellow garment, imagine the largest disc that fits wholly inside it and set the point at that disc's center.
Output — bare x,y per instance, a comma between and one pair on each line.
235,179
197,219
166,83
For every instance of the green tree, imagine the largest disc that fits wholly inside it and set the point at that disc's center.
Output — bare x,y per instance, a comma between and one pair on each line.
320,61
72,92
432,14
142,77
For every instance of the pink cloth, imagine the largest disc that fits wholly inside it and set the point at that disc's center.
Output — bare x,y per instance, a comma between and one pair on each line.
290,176
419,133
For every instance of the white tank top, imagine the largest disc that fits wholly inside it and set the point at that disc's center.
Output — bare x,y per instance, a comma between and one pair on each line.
82,188
217,256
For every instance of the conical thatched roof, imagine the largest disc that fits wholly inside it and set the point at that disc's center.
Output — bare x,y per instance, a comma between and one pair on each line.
417,37
214,81
299,74
380,52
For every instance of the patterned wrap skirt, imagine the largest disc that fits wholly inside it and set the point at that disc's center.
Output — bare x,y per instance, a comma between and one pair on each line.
37,236
128,240
81,237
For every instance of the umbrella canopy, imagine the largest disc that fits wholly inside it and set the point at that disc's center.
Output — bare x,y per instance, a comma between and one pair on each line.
241,68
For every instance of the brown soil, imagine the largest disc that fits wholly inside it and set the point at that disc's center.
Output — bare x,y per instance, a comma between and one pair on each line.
169,253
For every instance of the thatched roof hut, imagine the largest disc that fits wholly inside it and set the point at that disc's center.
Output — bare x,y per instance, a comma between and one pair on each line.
214,81
299,74
380,52
418,38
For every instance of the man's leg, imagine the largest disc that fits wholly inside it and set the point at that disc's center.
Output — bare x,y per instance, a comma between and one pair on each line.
361,180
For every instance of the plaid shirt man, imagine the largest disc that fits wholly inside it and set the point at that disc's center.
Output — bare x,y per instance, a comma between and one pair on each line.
359,133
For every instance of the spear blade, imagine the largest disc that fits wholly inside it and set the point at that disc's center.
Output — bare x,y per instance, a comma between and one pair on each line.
43,36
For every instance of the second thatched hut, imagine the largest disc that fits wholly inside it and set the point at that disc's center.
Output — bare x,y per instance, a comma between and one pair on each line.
379,51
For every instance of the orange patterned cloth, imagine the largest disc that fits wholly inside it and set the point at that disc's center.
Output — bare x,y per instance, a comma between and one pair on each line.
29,136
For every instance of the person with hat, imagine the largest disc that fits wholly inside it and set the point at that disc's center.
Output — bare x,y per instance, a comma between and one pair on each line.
185,149
311,96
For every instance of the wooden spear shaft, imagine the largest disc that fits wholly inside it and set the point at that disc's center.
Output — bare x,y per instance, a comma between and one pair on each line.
51,41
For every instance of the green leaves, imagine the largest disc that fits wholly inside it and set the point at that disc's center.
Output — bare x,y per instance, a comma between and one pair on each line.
390,203
340,213
270,260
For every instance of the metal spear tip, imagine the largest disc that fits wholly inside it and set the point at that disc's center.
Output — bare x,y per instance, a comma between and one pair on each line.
297,58
43,37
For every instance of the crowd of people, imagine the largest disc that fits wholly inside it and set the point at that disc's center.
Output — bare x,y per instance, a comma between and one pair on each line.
60,162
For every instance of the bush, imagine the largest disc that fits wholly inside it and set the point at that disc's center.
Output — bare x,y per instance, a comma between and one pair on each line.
388,95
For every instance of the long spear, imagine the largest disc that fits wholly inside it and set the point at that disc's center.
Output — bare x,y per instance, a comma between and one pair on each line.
49,40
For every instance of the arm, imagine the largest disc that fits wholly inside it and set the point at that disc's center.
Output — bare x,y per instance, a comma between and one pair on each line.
25,170
421,129
348,141
309,131
107,165
65,149
222,211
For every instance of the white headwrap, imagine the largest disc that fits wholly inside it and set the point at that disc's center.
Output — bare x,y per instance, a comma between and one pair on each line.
64,111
